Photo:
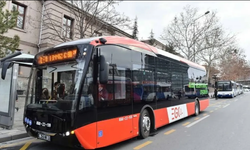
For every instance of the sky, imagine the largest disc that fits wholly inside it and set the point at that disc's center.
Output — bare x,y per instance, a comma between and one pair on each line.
234,16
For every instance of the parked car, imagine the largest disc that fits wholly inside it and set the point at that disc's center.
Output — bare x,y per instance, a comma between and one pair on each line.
246,90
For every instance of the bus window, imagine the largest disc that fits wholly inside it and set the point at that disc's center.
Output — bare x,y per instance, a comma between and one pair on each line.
117,91
87,99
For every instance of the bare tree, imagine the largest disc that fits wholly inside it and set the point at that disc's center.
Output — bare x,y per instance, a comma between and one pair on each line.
213,70
90,18
187,33
169,48
217,44
233,66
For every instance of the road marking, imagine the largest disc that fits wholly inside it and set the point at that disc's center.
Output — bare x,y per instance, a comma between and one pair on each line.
26,145
196,118
142,145
211,111
190,125
226,105
169,132
17,143
186,123
236,100
204,114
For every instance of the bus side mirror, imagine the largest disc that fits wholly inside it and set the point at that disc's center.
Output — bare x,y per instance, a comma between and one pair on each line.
5,66
104,70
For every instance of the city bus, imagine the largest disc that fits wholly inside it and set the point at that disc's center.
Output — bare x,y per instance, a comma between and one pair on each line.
90,93
226,89
193,90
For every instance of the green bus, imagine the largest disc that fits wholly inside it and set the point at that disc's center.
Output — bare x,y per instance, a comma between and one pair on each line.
196,90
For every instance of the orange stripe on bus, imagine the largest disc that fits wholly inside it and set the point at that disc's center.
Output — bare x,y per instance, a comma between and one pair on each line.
86,136
161,117
190,108
115,130
204,104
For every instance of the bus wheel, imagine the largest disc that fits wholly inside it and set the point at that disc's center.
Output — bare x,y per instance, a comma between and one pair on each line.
197,108
145,124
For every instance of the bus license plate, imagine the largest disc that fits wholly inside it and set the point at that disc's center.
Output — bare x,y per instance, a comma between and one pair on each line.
43,137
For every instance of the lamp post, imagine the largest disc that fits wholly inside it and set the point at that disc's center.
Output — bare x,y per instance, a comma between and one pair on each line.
207,12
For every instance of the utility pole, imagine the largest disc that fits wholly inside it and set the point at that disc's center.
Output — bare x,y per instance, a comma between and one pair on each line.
194,32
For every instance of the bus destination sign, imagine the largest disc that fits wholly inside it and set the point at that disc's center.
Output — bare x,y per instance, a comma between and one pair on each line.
56,56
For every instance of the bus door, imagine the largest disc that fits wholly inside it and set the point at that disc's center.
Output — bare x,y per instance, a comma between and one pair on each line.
114,119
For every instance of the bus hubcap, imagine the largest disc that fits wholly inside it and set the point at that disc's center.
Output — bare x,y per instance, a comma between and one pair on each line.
146,123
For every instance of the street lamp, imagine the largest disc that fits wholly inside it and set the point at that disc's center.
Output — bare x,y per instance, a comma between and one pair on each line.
207,12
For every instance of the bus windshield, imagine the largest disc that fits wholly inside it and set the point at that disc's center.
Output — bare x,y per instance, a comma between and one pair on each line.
224,86
187,89
55,87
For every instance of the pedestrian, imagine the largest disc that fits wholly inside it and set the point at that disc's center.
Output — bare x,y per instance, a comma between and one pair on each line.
16,101
215,93
179,94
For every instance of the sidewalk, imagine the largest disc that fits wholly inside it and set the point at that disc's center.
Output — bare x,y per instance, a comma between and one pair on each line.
18,131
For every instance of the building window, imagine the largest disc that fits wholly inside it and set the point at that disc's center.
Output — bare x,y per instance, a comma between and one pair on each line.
21,17
68,27
96,34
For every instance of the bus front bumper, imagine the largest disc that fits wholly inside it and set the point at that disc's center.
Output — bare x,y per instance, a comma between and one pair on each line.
224,95
64,139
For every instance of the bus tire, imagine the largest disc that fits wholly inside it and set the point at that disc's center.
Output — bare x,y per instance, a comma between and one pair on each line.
145,124
197,108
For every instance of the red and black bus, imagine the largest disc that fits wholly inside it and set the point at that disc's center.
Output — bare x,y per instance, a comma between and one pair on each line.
81,93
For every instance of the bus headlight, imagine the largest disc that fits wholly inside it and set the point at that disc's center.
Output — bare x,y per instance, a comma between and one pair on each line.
30,122
67,133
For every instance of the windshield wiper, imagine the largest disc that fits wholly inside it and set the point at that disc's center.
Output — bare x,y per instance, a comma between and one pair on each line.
75,67
52,70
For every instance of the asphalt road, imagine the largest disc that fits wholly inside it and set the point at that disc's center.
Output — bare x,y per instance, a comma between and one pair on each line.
224,125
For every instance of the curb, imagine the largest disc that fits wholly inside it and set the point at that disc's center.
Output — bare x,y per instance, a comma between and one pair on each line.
13,137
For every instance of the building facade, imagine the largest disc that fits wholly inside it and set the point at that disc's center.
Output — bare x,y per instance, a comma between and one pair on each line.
43,24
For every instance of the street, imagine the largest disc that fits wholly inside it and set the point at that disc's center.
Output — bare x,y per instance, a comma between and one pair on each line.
223,125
